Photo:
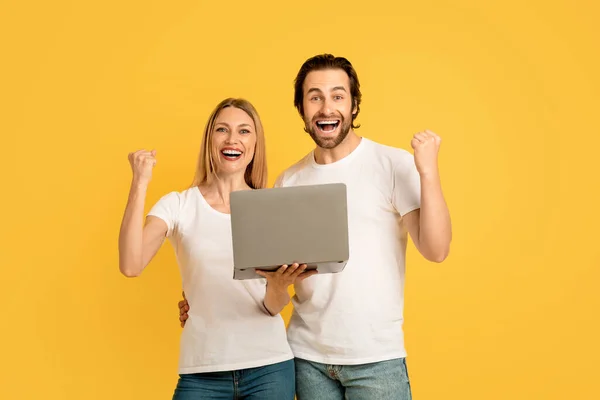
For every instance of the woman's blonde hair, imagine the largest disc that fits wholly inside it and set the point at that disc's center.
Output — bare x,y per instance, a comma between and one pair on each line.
256,172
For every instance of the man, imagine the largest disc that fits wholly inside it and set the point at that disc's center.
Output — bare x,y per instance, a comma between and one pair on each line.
346,329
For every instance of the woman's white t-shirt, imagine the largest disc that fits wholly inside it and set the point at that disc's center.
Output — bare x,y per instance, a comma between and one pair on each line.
228,327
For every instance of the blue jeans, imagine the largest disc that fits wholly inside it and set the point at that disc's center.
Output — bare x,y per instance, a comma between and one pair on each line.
384,380
269,382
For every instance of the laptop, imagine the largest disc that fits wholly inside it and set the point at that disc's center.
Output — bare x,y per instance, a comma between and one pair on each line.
304,224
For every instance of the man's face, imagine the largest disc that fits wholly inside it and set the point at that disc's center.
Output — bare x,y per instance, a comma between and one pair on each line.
328,106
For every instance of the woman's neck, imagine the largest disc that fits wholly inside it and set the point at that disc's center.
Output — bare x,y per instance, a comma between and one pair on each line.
218,191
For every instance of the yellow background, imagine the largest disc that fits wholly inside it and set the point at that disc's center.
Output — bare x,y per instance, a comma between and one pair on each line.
512,88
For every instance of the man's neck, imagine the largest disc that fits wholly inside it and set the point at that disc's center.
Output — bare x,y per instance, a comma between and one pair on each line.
328,156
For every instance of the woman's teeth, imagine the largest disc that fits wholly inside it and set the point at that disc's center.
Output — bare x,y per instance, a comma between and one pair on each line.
231,153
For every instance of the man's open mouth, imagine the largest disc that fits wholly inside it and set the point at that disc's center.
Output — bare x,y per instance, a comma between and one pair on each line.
328,126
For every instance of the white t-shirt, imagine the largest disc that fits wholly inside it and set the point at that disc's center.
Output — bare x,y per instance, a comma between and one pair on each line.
228,327
356,316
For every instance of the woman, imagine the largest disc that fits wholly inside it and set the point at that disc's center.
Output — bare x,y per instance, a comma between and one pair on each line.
234,342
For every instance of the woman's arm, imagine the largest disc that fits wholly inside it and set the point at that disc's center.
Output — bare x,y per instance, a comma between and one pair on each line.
276,296
138,243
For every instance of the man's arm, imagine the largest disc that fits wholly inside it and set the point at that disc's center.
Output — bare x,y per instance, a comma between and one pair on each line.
430,226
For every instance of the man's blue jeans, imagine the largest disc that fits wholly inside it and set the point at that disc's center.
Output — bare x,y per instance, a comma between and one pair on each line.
384,380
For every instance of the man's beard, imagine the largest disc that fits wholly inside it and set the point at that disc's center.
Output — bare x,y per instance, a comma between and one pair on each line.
328,142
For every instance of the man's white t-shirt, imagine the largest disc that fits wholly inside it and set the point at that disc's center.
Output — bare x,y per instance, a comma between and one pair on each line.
228,327
356,316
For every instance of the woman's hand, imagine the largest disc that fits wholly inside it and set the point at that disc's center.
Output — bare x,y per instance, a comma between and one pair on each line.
277,295
286,276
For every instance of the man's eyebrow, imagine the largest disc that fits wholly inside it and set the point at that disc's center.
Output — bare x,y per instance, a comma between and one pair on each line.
338,88
314,90
317,90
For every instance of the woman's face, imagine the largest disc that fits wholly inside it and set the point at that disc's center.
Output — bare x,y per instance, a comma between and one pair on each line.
233,141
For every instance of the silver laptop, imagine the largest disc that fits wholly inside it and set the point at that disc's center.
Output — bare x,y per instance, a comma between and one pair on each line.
303,224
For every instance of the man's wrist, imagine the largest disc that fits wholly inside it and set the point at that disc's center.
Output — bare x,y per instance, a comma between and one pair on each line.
139,184
430,175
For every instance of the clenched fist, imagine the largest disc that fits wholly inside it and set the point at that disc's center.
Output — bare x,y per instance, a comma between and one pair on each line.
142,162
426,146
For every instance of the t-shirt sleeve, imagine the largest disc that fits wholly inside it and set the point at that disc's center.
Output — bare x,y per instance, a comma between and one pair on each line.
167,209
406,194
279,180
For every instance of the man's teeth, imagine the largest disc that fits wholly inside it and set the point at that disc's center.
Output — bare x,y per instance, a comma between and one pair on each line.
327,126
232,153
